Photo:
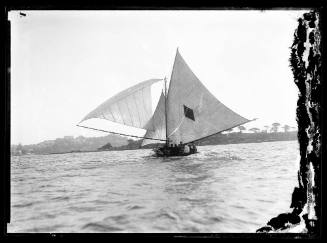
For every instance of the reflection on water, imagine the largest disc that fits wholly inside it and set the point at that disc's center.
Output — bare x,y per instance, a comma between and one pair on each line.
225,188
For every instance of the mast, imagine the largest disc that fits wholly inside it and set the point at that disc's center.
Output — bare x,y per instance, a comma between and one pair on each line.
167,142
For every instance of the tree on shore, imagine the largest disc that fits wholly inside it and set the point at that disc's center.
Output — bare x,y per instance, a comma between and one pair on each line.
20,149
275,126
266,129
286,128
241,128
254,129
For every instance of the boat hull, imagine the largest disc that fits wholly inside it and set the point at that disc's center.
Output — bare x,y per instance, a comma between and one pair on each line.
168,152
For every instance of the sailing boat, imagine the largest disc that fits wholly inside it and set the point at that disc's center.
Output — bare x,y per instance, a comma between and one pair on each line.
185,114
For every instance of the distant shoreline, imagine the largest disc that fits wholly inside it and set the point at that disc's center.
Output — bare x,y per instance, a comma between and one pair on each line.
218,139
200,145
236,138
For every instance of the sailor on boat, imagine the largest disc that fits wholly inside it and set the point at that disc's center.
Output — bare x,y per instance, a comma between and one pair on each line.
192,148
187,112
176,149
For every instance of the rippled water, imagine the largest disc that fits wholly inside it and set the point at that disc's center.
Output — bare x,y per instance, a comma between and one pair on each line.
223,188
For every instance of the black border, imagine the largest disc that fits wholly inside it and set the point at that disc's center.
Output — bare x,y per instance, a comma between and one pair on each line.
125,5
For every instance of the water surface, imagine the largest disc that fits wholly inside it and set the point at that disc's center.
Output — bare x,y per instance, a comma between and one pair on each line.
223,188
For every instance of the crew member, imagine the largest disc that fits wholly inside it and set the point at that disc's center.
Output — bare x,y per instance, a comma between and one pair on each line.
187,149
181,147
176,149
191,147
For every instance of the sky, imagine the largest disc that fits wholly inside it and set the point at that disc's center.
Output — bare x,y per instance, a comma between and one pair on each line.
66,63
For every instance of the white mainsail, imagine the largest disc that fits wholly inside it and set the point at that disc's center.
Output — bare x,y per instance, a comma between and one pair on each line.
156,127
192,111
131,107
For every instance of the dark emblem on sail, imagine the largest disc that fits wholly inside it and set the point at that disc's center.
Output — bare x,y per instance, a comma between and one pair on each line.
188,112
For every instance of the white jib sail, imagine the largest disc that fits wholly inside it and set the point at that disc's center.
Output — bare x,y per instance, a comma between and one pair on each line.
156,127
131,107
192,111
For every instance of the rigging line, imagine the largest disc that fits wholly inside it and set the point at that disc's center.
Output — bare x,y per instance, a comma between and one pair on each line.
221,131
117,133
176,129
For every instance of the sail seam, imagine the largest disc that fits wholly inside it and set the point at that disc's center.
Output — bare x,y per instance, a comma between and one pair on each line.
122,123
154,122
121,114
137,108
140,88
143,99
112,115
154,116
129,112
117,100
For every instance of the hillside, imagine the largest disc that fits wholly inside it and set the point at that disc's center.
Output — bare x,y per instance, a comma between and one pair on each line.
69,144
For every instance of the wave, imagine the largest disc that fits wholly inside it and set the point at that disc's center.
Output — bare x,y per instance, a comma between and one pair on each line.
169,215
215,156
134,207
121,219
216,219
23,205
238,206
90,167
219,189
98,201
230,157
44,229
49,216
101,227
83,209
61,198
